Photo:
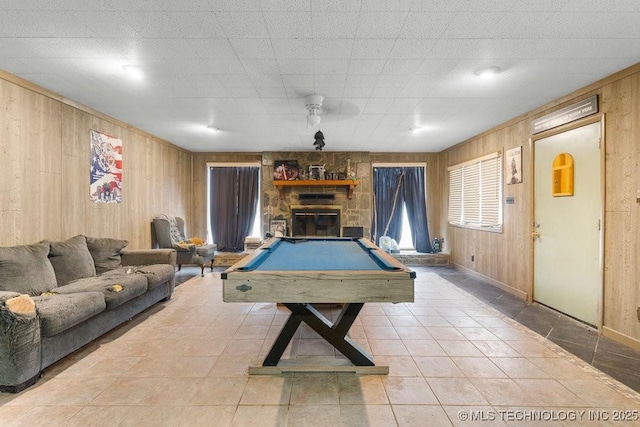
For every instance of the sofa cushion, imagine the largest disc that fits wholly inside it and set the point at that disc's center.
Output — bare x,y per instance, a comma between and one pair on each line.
105,252
26,269
156,274
59,312
116,290
71,260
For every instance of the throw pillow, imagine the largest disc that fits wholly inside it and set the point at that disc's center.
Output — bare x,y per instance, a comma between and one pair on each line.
71,260
106,252
26,269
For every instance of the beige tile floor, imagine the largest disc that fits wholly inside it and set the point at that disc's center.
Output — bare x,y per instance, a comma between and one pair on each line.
453,361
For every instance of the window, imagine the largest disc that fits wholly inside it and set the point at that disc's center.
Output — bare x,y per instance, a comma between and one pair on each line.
256,227
475,193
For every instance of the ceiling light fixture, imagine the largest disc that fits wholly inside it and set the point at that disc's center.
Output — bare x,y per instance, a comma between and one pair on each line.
488,72
313,104
213,129
133,71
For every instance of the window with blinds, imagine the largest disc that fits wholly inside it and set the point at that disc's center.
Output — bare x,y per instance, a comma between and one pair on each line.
475,193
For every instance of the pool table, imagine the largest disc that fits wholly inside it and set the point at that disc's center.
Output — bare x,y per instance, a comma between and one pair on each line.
299,272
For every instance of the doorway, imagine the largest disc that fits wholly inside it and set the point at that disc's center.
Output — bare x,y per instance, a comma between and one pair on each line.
567,233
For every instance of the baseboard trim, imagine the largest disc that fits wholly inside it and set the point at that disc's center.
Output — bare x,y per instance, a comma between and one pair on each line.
513,291
621,338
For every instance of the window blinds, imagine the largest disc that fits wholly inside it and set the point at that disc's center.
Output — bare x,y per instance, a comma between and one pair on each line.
475,192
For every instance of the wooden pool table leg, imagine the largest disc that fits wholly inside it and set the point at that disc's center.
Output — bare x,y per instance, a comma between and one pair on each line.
335,333
284,338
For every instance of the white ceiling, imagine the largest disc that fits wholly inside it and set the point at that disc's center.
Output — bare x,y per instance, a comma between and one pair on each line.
384,66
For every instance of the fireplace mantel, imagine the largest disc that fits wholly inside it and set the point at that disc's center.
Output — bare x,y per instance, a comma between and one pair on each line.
350,183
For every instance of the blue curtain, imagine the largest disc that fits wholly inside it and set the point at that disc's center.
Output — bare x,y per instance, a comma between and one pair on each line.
416,205
393,186
234,202
387,203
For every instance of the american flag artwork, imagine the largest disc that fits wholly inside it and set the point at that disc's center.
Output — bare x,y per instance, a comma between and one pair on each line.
106,169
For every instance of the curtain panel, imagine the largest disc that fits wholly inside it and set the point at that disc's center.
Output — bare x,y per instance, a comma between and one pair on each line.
393,186
234,202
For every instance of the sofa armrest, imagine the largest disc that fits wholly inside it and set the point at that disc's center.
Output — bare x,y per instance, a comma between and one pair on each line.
148,256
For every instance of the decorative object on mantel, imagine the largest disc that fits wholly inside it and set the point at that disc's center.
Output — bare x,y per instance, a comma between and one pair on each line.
317,172
319,141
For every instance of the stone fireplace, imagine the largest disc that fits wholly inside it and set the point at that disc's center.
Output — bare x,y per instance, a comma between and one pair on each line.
315,220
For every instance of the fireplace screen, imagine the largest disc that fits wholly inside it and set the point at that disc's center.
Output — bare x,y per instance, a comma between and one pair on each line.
315,222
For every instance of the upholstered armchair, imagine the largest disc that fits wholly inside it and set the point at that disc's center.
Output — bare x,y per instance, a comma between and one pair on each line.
169,232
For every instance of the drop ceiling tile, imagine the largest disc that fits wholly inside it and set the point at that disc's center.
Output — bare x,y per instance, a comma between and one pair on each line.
383,24
384,92
331,66
293,48
601,6
403,106
436,68
387,5
336,5
377,106
520,25
252,48
234,80
126,5
236,5
271,92
211,48
332,48
267,81
150,24
366,66
401,66
333,25
357,92
372,48
297,80
396,81
361,81
469,25
289,24
18,23
426,25
412,48
247,25
540,5
295,66
286,5
161,48
260,66
109,24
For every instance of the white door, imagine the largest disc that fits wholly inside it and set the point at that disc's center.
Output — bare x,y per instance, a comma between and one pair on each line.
567,229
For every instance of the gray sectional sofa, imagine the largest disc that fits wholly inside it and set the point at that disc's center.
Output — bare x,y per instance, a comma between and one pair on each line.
55,297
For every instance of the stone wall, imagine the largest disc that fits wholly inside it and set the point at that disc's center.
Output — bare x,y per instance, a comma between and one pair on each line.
356,212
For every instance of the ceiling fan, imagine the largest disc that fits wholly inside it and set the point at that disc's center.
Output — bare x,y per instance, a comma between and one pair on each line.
313,104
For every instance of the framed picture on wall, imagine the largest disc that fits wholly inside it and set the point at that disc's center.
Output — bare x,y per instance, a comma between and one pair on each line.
513,166
286,170
278,227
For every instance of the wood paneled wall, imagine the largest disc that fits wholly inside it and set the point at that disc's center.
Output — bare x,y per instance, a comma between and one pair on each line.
44,178
505,257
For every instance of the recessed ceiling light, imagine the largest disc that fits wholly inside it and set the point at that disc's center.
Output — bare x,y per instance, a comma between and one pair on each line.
133,71
213,129
488,72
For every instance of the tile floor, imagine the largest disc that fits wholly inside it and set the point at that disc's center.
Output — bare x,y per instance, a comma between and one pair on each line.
453,358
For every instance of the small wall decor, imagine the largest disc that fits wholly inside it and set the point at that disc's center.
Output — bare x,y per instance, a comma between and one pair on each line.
513,168
105,176
286,170
278,227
